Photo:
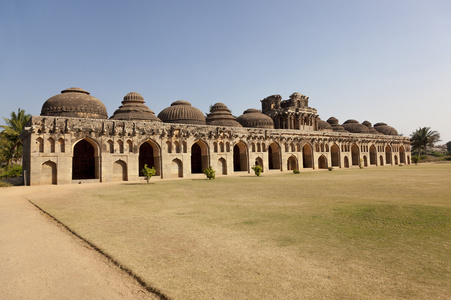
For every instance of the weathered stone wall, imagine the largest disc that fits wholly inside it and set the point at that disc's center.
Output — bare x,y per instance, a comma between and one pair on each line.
49,148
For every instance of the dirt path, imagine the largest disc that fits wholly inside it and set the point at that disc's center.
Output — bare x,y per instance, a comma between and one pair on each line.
39,259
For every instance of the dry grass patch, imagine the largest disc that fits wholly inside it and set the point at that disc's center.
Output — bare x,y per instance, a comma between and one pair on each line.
374,233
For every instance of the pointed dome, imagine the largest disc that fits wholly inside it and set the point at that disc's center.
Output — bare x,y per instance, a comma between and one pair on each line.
324,126
74,102
254,118
182,112
354,126
220,115
133,108
385,129
335,126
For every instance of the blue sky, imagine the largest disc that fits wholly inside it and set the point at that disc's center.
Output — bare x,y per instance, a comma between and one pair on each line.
382,61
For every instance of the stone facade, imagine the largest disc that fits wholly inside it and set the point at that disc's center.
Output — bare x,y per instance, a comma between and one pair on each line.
64,149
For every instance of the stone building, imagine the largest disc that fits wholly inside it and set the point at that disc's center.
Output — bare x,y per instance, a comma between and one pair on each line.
73,140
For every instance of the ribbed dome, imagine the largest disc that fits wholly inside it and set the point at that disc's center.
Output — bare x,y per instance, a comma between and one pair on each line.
133,108
335,126
254,118
182,112
324,126
370,127
385,129
220,115
74,102
355,127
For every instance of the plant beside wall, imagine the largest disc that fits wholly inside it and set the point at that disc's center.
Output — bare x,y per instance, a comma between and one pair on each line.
295,171
210,173
257,170
330,168
148,172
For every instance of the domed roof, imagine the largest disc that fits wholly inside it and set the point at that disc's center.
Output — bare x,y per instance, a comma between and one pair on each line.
255,118
133,108
355,127
182,112
74,102
220,115
370,127
385,129
335,126
324,126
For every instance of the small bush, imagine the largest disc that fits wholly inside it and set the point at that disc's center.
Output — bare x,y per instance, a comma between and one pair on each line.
295,171
148,172
330,168
12,171
257,170
415,159
361,163
210,173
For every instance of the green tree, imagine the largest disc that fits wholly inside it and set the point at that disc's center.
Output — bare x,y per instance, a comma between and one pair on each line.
210,173
448,146
422,138
148,172
12,146
257,169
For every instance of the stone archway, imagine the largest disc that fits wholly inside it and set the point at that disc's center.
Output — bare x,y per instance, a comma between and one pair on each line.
355,155
322,162
176,168
274,156
373,155
335,155
381,160
149,154
48,173
84,160
307,156
222,166
346,162
388,155
199,157
292,163
240,157
119,171
402,155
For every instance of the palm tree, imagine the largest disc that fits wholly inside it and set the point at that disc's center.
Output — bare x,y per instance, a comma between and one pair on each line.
10,134
423,138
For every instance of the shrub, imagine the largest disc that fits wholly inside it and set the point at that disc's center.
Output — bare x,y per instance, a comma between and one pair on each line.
415,159
257,169
4,184
12,171
361,163
148,172
210,173
330,168
295,171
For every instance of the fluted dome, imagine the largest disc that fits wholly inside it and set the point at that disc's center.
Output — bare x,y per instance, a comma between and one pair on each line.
220,115
355,127
324,126
385,129
182,112
335,126
370,127
255,118
133,108
74,102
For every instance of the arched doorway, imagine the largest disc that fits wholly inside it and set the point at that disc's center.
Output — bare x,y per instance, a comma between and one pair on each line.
48,173
402,155
176,168
149,154
120,171
388,155
322,162
365,161
199,157
239,157
355,155
84,161
307,156
222,166
335,155
292,163
346,162
381,160
396,160
274,156
373,155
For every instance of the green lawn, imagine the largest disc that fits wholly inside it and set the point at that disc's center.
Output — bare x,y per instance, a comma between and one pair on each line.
372,233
